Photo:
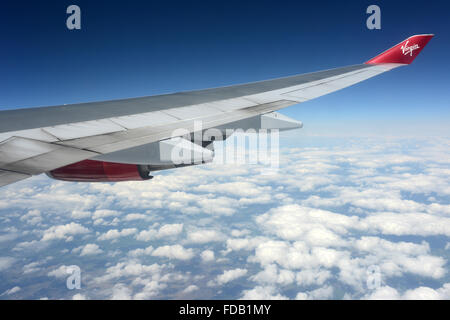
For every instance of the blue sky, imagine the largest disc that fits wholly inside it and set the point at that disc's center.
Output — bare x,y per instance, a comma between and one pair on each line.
363,187
144,48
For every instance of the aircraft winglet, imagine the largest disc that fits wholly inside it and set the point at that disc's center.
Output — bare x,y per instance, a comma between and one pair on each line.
404,52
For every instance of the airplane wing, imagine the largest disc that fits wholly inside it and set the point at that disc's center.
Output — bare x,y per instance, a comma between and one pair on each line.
39,140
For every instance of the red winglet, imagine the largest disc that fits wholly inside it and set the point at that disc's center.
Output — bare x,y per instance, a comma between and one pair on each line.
404,52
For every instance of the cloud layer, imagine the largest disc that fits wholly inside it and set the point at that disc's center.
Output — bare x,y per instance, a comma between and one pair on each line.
352,219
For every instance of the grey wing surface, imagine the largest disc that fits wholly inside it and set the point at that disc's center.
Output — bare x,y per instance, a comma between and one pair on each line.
37,140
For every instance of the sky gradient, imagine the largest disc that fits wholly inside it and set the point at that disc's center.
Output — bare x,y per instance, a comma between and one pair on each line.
358,209
144,48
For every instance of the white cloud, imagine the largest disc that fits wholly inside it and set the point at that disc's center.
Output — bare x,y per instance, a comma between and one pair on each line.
424,293
297,255
11,291
136,216
60,272
368,198
64,231
294,222
141,252
115,234
207,256
218,206
79,296
31,267
244,243
204,236
271,275
190,289
131,268
173,252
8,237
230,275
238,188
339,212
421,224
308,277
32,217
384,293
262,293
78,214
420,293
104,213
150,290
317,294
168,230
90,249
31,246
121,292
239,233
395,257
146,235
6,263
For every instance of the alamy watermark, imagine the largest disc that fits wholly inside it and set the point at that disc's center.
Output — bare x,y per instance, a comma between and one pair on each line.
73,21
74,279
241,146
373,280
374,20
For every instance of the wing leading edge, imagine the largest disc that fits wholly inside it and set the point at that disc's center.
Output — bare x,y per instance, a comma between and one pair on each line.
37,140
